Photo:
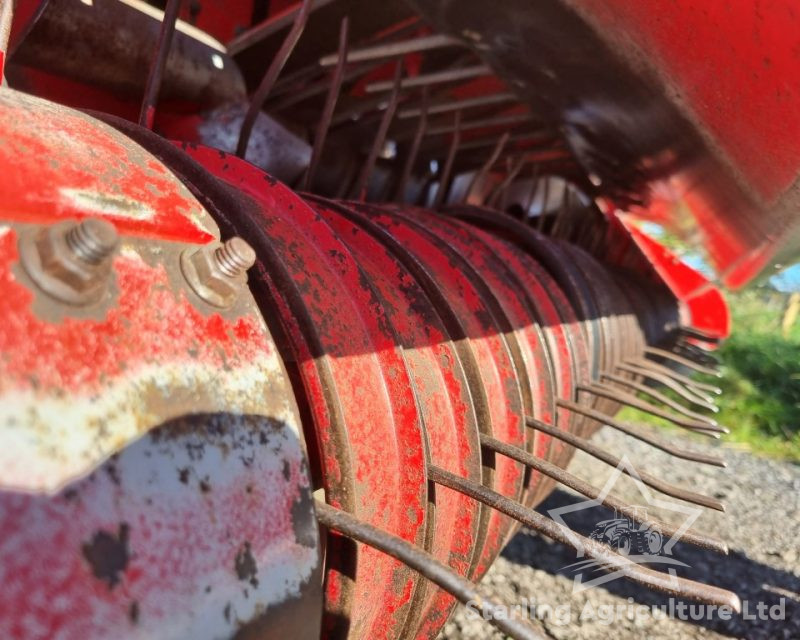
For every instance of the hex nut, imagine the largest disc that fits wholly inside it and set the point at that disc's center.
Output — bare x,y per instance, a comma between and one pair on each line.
71,261
217,273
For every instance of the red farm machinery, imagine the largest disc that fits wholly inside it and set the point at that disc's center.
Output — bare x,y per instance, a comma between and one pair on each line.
305,306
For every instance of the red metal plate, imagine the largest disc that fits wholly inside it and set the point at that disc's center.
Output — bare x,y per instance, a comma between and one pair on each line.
496,368
522,333
358,391
442,394
59,163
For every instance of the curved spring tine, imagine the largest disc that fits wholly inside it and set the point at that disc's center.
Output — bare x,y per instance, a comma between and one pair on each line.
444,180
650,480
153,86
698,334
608,559
694,384
380,137
330,105
499,192
682,391
273,71
669,355
643,388
632,401
413,152
422,562
484,170
693,351
593,493
633,431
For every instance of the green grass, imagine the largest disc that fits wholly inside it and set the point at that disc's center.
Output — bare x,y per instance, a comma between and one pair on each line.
760,403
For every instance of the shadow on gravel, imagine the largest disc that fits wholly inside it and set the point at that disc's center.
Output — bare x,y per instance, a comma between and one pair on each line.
751,580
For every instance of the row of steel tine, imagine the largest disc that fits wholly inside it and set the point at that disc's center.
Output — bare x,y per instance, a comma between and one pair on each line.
651,366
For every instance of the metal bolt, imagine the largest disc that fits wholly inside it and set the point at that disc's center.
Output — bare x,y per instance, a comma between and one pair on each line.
71,261
92,240
217,273
235,257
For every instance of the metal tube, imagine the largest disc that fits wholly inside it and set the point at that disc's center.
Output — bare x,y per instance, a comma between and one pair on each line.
147,111
609,459
607,559
458,105
427,79
394,49
698,334
422,562
482,123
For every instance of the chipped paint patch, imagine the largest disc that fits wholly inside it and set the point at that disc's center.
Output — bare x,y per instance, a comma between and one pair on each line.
108,204
47,441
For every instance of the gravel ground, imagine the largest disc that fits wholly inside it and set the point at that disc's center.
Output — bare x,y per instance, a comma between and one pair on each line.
761,526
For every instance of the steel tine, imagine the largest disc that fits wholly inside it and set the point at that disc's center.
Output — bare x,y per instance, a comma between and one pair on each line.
632,401
687,394
153,87
499,192
692,351
444,179
643,388
330,105
413,152
700,386
650,480
697,334
423,563
635,432
669,355
380,137
273,71
608,559
484,170
593,493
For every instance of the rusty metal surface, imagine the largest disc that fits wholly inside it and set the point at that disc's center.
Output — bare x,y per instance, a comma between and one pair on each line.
270,146
442,392
62,164
341,347
160,540
109,43
445,366
141,429
89,379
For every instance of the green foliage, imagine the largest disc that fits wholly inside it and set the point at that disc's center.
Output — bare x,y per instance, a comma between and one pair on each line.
760,403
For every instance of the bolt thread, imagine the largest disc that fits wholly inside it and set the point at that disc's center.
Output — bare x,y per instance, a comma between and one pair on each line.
92,240
235,257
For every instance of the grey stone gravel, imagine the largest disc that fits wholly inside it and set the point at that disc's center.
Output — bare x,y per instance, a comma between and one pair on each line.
761,526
